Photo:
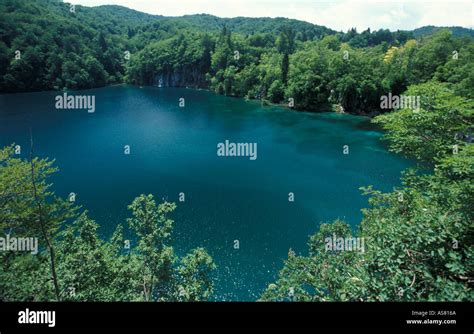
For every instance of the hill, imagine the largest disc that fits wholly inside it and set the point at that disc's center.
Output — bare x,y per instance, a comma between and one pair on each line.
47,45
430,30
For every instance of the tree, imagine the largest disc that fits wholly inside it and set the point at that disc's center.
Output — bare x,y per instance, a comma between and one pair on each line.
434,52
221,56
418,238
84,265
194,276
29,209
286,45
153,228
432,131
307,80
73,263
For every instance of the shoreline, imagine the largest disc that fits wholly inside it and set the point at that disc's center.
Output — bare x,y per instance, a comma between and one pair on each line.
264,103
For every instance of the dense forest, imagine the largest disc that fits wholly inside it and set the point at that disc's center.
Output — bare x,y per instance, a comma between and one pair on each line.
419,237
47,45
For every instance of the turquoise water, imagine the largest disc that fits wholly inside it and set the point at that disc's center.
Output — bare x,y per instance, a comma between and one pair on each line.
173,150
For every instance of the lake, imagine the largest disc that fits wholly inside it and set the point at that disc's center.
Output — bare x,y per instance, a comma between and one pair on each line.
173,150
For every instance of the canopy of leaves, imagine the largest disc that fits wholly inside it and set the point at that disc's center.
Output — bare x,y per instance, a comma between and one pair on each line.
141,268
60,48
419,238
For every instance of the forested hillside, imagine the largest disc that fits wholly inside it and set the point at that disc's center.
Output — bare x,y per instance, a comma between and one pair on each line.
46,45
429,30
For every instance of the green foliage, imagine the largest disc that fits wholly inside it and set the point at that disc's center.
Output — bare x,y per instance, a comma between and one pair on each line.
307,79
58,48
29,209
431,54
432,131
88,268
194,273
64,50
319,276
419,238
153,228
458,71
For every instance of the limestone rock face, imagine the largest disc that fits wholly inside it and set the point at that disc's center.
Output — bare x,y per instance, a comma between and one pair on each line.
183,77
